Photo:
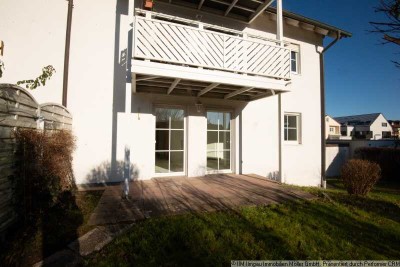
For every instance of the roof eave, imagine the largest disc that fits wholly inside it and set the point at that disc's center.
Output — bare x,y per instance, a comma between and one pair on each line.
333,31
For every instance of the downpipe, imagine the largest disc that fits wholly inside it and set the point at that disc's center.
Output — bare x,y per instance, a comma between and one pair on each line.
66,53
322,95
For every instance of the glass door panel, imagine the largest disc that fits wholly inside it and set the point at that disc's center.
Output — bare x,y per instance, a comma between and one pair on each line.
162,162
170,141
218,141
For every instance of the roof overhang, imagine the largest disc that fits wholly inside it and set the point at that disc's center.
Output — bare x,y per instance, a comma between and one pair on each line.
248,10
309,24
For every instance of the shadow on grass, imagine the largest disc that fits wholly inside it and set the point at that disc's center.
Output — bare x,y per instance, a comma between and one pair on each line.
367,236
51,231
377,202
318,229
296,230
382,186
379,207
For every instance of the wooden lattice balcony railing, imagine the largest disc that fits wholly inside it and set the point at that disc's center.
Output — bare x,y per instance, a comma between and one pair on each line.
168,39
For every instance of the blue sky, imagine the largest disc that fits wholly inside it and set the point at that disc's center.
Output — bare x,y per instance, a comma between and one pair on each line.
360,77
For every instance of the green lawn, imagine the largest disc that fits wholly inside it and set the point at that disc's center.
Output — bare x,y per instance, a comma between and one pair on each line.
53,231
344,227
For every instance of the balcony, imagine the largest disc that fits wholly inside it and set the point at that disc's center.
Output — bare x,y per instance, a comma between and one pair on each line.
172,47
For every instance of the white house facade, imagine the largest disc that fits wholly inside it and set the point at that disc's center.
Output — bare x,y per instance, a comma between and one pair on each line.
372,126
186,89
332,128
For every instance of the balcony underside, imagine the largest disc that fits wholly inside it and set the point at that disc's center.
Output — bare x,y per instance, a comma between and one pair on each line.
168,79
242,10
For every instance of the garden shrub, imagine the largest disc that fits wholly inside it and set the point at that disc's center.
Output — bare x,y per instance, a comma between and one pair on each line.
43,169
359,176
387,158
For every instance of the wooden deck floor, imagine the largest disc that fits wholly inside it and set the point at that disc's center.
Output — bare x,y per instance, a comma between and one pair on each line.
169,196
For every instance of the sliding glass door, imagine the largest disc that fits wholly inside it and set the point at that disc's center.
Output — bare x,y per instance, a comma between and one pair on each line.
170,141
218,141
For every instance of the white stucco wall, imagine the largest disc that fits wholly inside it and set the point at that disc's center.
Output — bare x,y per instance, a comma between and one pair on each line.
336,157
33,40
302,162
136,130
97,72
100,47
377,128
338,154
329,122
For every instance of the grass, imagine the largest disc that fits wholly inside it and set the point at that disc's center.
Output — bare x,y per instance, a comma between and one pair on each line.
344,227
28,244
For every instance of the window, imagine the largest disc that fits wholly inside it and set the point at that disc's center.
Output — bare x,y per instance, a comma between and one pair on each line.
386,134
218,141
384,124
332,129
170,140
294,56
292,128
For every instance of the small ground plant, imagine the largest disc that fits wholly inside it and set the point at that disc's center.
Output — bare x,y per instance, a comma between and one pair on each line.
43,169
360,176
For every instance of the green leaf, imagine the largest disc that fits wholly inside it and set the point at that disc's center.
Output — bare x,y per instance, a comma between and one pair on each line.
47,73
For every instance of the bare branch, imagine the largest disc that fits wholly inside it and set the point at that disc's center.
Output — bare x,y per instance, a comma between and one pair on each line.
390,28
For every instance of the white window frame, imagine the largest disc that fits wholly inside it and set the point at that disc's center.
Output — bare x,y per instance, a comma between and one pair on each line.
171,174
296,59
296,49
298,128
231,150
332,129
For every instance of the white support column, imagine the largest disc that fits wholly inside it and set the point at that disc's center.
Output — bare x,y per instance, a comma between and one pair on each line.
126,26
281,122
133,82
128,97
245,47
279,37
148,15
279,21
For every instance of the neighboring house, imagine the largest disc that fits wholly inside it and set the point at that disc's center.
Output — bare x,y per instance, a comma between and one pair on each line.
332,128
190,89
366,126
395,128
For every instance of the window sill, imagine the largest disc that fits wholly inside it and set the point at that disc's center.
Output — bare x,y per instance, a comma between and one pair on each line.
291,143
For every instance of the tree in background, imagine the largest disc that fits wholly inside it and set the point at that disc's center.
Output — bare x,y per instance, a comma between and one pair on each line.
390,27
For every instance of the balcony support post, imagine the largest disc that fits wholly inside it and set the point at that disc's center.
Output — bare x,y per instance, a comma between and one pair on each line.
148,14
279,22
279,37
245,46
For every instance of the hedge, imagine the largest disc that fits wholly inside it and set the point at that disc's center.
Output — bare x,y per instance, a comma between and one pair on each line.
387,158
